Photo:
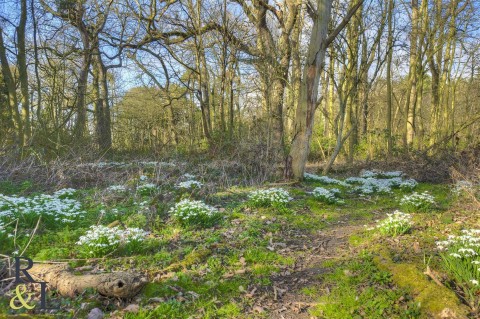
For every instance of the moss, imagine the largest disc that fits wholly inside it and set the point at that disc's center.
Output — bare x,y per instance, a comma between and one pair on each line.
194,257
432,298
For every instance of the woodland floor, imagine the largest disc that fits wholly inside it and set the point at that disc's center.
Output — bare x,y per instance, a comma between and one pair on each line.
308,260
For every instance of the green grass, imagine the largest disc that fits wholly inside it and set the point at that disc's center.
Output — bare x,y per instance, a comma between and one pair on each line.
208,271
358,289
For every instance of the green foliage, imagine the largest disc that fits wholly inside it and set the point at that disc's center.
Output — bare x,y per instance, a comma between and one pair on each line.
419,202
461,260
395,224
100,241
329,196
360,290
272,197
8,187
194,213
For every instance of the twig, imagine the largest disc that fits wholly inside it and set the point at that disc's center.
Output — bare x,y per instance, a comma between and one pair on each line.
430,274
31,236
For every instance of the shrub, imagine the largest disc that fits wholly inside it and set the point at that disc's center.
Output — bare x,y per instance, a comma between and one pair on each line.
395,224
193,212
461,260
417,202
100,240
272,197
327,195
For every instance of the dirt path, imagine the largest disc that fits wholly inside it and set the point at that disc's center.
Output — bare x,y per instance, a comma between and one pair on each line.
286,300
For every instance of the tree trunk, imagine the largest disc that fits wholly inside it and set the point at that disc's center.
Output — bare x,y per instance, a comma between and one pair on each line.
115,284
81,122
102,109
411,101
391,6
304,117
12,94
22,71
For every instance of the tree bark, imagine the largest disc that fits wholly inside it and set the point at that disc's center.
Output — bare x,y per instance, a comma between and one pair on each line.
391,6
115,284
22,71
12,94
304,117
411,101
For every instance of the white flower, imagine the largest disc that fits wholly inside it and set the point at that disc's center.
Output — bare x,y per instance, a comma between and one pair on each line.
395,224
418,200
324,179
270,196
190,210
105,239
57,206
327,195
116,189
408,184
190,184
146,188
464,186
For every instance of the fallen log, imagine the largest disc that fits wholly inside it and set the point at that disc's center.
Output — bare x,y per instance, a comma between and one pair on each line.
114,284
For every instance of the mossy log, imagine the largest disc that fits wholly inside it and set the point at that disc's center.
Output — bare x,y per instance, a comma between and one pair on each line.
115,284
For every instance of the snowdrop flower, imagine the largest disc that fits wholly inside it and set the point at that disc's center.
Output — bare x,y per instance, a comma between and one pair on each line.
463,186
327,195
418,200
269,197
100,240
116,189
396,223
57,206
324,179
408,184
193,212
190,184
147,188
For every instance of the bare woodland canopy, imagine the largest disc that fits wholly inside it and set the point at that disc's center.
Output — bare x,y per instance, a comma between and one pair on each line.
291,78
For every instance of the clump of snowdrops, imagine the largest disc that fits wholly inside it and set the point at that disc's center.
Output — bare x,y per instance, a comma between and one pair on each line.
194,213
461,260
395,224
329,196
420,202
100,241
57,209
271,197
